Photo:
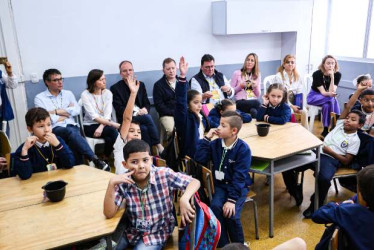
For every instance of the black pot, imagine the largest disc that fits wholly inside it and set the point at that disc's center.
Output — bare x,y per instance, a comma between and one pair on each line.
55,190
263,129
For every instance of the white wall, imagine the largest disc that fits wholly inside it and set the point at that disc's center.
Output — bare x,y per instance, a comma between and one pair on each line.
76,36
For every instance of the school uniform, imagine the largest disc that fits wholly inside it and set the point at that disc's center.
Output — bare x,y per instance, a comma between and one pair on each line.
355,220
214,117
279,114
39,155
231,181
190,127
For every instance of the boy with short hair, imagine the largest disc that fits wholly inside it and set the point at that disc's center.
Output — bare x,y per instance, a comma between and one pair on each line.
339,148
43,150
231,159
147,192
356,220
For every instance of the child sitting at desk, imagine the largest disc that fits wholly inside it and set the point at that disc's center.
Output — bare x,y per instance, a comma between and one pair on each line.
43,150
129,129
356,220
274,108
231,159
147,192
222,106
339,148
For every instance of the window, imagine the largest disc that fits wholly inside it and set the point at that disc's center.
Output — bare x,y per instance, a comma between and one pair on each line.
347,33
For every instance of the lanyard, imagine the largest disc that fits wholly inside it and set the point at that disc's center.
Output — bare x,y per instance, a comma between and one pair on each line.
141,201
212,83
45,158
222,159
56,103
101,111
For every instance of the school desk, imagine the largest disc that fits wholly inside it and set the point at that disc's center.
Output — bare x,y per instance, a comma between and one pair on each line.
35,224
280,148
250,129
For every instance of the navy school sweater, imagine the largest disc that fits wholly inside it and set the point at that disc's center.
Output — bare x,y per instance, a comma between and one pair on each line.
215,116
235,166
25,166
277,115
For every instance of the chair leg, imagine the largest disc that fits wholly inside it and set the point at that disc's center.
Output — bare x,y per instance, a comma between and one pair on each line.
336,186
256,218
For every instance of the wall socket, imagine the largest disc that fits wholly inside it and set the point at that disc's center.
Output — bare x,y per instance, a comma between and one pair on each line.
34,78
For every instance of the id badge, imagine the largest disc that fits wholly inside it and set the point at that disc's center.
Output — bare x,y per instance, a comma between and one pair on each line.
51,166
250,94
215,94
143,225
219,175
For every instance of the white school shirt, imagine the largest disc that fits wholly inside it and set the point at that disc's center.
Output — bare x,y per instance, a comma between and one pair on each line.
93,104
196,86
340,142
62,101
118,155
11,82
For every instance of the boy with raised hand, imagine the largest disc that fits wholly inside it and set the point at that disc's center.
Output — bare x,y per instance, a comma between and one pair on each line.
231,159
147,192
355,219
43,150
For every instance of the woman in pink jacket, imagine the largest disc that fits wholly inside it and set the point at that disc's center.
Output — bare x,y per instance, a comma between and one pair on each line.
247,85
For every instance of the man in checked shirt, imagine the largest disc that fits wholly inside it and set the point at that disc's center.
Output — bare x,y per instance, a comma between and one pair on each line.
147,193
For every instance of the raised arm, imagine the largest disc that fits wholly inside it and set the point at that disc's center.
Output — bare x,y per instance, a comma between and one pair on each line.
351,102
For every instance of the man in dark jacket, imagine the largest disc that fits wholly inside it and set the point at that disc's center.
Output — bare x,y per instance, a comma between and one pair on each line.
121,93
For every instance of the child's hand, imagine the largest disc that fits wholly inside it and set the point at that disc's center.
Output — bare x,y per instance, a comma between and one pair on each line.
122,178
327,150
265,99
211,133
30,141
133,84
228,209
187,212
183,67
52,139
362,87
348,202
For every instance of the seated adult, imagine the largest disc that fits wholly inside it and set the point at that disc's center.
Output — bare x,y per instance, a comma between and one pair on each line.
325,83
164,95
63,107
247,85
213,85
7,80
97,103
121,93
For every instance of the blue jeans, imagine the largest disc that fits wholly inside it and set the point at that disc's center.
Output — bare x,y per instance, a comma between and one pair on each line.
231,228
148,128
123,243
73,138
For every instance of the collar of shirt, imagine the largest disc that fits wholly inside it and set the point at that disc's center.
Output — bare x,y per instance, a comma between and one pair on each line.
48,93
209,77
40,145
229,147
273,107
152,178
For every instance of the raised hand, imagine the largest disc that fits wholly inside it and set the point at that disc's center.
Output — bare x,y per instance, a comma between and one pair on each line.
265,99
183,67
133,84
8,68
122,178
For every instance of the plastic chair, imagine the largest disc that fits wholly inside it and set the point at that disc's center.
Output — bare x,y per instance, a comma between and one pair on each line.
268,81
4,126
313,111
209,186
92,142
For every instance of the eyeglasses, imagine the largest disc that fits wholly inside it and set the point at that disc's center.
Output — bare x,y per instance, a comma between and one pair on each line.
290,62
209,67
57,80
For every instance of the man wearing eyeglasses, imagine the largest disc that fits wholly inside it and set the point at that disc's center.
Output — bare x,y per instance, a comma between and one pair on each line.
63,107
213,85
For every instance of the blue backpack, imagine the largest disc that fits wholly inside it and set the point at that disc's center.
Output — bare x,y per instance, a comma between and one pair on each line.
207,228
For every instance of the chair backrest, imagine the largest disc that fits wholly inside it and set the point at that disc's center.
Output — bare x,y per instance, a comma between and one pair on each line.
114,116
80,117
308,80
334,240
4,126
207,182
267,82
6,148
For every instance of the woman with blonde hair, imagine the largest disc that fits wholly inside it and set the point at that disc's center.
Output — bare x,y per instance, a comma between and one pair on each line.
287,75
247,85
325,83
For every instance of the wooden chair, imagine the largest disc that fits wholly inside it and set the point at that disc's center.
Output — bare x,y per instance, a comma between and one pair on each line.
209,186
6,148
333,245
342,173
159,162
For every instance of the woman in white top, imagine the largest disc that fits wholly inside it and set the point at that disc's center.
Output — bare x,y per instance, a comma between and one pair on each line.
97,104
290,78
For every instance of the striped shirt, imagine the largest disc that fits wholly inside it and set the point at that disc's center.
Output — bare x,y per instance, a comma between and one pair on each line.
157,203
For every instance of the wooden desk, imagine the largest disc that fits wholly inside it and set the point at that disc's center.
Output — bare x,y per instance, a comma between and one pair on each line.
280,147
79,216
16,193
250,129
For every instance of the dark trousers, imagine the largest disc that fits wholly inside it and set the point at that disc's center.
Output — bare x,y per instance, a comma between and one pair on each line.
231,228
109,135
148,128
72,136
248,106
